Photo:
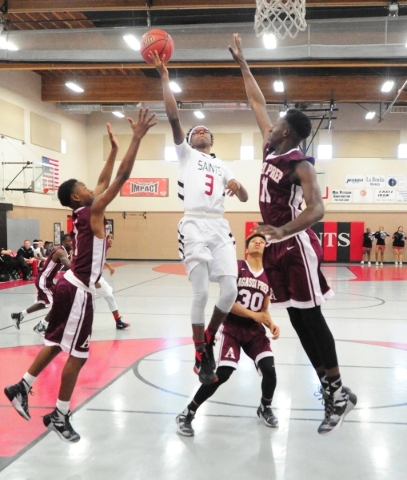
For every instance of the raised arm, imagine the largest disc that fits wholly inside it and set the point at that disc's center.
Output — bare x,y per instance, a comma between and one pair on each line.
106,174
253,92
169,100
140,128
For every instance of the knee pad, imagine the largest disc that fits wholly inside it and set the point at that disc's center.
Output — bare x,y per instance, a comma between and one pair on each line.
224,373
267,367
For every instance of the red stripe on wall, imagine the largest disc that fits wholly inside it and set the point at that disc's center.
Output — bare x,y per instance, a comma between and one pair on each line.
356,240
330,241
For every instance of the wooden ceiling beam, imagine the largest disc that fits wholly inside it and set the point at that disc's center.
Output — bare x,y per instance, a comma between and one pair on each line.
16,6
129,89
303,64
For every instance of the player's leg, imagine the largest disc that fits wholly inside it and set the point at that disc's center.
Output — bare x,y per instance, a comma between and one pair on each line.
339,401
18,393
401,256
396,256
199,278
376,253
382,255
184,419
106,291
18,317
268,386
368,255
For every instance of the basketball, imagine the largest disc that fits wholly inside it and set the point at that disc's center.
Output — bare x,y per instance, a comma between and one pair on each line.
156,40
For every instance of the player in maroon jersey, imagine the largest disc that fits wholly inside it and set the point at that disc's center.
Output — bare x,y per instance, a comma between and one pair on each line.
45,284
71,316
293,255
243,329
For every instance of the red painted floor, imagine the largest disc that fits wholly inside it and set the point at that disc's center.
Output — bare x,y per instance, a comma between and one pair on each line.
378,274
173,268
108,359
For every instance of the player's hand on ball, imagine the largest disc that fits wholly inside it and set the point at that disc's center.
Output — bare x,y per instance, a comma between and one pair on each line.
144,123
158,63
237,54
232,187
112,138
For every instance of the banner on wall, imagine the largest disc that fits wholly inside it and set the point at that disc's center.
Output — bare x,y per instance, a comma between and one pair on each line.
378,181
384,195
340,241
363,195
145,187
342,196
401,196
354,181
397,181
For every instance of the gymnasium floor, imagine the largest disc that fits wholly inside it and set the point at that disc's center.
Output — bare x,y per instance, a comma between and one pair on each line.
136,381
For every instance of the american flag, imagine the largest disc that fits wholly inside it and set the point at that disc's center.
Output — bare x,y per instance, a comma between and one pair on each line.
50,176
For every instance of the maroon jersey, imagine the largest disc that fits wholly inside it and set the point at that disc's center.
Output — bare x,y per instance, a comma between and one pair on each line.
45,278
280,198
252,290
89,252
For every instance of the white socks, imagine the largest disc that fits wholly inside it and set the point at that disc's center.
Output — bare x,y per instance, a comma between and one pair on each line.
29,380
63,407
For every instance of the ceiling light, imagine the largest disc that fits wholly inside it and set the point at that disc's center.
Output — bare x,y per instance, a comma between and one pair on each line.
118,114
387,86
370,115
199,114
75,87
269,41
5,45
175,87
283,113
132,42
278,86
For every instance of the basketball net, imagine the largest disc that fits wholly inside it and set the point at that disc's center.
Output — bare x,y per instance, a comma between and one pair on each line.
281,17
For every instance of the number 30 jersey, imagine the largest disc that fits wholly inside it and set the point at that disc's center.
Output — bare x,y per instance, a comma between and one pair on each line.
201,180
252,290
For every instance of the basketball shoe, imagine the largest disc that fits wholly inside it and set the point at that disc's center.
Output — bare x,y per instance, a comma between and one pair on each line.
209,344
40,328
60,424
184,423
266,413
17,319
337,406
120,325
203,368
18,396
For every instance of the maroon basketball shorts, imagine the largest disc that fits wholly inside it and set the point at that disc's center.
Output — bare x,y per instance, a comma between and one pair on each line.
70,319
45,293
293,270
398,248
246,334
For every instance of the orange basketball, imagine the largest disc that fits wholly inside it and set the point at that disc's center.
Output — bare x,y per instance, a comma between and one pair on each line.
156,40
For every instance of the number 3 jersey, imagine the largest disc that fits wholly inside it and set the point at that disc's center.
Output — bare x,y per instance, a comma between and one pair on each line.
280,198
252,290
201,180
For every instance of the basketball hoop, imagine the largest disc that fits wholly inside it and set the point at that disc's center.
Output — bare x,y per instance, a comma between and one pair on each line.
51,191
281,17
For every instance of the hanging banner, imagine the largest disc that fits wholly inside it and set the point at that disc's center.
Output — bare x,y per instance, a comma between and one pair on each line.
145,187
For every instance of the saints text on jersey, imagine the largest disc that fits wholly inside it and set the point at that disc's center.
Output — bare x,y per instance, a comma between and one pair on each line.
207,166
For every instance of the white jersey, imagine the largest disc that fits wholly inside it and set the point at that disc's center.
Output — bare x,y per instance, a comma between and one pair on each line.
202,179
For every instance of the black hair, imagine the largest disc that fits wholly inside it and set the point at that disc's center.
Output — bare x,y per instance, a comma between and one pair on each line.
65,191
190,130
64,237
299,123
254,235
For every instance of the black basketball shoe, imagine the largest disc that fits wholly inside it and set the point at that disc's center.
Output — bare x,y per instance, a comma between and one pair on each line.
266,413
17,319
203,368
184,422
336,410
60,424
18,396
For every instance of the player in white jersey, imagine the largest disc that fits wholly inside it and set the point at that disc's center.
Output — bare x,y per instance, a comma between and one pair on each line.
206,244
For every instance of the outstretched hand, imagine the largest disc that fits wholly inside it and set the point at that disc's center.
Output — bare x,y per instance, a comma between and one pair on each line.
144,123
237,53
159,63
232,187
112,138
